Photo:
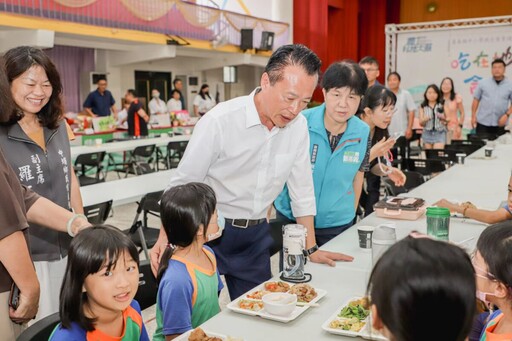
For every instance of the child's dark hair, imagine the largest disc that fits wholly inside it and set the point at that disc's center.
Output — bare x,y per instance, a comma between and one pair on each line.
495,246
345,73
90,250
375,97
418,278
438,92
182,210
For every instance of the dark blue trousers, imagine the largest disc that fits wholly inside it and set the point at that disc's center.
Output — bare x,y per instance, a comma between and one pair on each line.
243,257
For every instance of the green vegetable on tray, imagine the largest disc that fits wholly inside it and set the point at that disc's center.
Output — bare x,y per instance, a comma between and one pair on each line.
354,311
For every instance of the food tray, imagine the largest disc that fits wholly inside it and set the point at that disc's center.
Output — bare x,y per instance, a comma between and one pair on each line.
299,309
366,332
184,336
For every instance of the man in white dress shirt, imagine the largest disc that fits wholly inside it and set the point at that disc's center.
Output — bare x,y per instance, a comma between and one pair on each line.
246,149
156,105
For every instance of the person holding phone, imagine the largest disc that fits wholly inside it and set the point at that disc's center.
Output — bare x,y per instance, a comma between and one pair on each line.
433,119
378,108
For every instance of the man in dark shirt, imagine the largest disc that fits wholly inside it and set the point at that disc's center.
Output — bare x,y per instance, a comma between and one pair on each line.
137,117
100,101
178,85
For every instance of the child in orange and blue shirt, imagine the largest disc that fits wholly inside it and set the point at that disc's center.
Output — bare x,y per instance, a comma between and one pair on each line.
101,280
189,282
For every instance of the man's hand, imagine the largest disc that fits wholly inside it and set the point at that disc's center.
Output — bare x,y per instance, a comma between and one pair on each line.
155,255
473,122
329,258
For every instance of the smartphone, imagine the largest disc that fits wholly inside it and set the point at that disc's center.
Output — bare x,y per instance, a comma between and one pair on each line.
14,297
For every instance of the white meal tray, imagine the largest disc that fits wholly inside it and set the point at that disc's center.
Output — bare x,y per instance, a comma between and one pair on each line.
366,332
184,336
299,309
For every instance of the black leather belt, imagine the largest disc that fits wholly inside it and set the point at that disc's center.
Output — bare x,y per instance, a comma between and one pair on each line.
245,223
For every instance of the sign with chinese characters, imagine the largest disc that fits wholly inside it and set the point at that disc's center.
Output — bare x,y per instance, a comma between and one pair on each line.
465,55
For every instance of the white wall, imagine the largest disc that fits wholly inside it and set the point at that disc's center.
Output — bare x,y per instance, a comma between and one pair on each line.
122,78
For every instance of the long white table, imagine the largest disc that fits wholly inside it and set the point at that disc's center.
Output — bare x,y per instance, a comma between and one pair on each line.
484,182
128,190
121,146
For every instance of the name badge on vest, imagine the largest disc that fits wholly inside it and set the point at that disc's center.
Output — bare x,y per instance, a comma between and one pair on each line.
351,157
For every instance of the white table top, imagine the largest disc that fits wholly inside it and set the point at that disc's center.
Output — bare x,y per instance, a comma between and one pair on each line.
126,190
484,182
120,146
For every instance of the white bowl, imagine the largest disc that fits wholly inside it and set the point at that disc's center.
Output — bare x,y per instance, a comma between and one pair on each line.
279,303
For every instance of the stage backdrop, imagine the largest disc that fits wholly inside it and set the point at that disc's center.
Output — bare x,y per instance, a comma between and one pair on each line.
463,50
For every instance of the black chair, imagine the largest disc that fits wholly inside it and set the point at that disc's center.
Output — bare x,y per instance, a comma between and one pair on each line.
98,213
146,294
483,136
141,234
414,179
86,163
41,330
138,161
447,155
467,149
426,167
172,157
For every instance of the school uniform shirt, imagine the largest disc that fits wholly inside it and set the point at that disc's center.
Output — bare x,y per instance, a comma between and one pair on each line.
246,164
134,329
188,295
333,172
488,332
136,124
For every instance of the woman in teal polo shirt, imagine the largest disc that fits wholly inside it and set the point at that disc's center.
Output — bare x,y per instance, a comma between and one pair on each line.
339,152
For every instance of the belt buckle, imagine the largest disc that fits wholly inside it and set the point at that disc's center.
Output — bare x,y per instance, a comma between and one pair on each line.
243,226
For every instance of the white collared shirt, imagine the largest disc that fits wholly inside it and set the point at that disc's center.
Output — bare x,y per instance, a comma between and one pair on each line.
157,105
246,164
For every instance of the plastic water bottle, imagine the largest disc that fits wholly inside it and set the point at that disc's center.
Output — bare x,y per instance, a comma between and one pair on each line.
383,237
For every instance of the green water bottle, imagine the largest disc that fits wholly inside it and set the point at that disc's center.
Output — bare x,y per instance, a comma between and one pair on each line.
438,222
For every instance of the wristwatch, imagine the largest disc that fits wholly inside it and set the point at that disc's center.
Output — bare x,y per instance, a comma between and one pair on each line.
312,250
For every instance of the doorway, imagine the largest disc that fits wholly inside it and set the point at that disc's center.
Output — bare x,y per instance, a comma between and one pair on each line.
145,81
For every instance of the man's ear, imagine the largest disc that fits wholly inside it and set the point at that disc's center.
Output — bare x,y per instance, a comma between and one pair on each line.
265,80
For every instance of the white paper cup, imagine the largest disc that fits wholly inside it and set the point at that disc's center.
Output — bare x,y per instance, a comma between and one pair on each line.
365,237
488,151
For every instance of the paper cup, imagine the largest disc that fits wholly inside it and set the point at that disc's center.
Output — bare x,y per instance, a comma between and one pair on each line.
488,151
365,237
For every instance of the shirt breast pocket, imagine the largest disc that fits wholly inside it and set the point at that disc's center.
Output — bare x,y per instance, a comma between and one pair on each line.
283,164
